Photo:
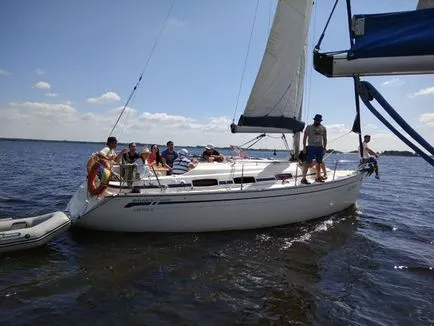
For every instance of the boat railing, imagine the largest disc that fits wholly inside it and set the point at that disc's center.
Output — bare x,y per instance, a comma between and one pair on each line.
128,173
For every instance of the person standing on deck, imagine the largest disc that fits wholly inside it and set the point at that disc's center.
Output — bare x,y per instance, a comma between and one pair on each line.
108,152
316,136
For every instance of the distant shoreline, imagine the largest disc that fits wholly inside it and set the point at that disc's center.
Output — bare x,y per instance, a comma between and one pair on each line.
141,144
386,153
394,153
52,140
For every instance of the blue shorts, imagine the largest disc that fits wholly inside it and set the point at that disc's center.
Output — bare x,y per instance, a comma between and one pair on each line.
314,152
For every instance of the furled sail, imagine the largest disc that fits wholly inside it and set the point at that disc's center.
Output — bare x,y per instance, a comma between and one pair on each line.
397,43
275,103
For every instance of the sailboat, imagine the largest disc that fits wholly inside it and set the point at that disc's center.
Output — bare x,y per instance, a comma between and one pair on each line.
240,193
245,193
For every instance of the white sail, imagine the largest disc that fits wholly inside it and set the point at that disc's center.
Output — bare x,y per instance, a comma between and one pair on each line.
276,98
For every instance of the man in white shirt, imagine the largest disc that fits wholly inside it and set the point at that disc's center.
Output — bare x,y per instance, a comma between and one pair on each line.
368,155
108,152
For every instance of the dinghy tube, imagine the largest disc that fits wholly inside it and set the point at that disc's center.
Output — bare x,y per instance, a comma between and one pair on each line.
31,232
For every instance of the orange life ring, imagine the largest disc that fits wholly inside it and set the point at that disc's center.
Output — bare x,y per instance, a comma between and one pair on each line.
90,163
95,159
97,170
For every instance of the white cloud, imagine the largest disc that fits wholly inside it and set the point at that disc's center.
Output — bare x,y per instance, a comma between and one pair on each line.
42,85
43,108
104,98
164,117
423,91
395,81
49,94
371,126
337,128
88,116
427,118
177,22
4,72
63,121
119,109
39,71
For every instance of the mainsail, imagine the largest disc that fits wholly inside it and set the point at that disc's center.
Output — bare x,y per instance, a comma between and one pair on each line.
275,103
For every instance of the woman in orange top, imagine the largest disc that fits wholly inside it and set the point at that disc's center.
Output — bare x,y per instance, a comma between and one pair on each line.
154,156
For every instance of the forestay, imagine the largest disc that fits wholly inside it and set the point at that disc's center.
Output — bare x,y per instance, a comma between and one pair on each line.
275,103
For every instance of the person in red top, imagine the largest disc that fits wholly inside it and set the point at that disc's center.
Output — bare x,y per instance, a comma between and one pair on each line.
154,156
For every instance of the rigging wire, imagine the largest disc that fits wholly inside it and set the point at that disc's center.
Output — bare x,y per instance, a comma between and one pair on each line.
126,116
309,82
145,67
270,15
357,127
337,138
245,61
317,46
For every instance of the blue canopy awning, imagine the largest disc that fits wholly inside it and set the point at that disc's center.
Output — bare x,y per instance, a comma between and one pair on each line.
409,33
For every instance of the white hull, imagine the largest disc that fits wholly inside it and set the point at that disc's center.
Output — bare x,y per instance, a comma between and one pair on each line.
216,208
31,232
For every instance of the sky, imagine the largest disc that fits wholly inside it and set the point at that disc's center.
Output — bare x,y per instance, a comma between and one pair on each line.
67,69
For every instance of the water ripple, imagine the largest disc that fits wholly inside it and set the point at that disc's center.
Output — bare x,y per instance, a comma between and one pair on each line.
369,265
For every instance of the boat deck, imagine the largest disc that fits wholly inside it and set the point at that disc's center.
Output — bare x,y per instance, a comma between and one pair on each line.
208,179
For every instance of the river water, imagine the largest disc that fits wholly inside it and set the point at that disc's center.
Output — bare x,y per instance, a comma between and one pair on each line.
369,265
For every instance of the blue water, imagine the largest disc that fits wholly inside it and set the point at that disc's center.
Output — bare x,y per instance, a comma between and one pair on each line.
369,265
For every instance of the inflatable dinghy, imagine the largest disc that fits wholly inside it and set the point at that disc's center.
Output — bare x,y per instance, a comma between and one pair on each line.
31,232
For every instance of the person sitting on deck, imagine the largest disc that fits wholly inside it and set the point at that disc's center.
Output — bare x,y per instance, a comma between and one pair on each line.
128,168
154,157
131,156
168,156
182,163
211,155
143,167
